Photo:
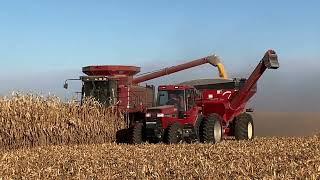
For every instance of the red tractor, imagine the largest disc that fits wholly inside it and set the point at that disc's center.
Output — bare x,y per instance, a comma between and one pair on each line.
202,110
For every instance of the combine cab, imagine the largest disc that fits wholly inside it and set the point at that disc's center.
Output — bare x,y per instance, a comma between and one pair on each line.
202,110
112,86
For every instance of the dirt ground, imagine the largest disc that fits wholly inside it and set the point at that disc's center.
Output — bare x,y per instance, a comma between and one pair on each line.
287,123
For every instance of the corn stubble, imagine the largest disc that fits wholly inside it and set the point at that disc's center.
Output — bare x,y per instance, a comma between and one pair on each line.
29,124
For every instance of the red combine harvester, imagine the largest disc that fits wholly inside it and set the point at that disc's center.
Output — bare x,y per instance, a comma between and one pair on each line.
200,110
118,86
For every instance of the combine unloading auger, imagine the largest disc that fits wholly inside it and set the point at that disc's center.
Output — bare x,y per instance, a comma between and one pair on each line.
213,60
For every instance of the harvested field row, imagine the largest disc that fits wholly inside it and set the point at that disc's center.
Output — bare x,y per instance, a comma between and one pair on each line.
263,158
29,120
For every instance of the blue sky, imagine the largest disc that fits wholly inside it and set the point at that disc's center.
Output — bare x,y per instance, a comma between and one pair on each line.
68,34
54,39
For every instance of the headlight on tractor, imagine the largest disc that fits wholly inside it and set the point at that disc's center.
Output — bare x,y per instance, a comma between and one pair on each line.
160,115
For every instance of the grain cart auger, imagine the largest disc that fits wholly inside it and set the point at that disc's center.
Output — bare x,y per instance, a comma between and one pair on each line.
118,86
204,110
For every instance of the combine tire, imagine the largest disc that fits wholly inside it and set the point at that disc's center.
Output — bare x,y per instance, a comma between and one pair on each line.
122,136
174,134
211,129
137,134
244,129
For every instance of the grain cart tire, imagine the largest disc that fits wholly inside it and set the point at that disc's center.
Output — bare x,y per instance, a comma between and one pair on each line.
174,134
211,129
243,128
137,134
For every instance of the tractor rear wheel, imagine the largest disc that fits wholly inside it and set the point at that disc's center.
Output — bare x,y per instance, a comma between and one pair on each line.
211,129
243,127
137,134
174,134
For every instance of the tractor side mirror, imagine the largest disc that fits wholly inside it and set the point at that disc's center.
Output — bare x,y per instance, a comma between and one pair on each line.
66,85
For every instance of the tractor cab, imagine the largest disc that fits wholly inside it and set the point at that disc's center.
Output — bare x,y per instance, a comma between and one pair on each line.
181,97
175,104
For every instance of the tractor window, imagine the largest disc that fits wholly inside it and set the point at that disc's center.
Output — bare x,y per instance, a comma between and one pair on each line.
162,98
171,97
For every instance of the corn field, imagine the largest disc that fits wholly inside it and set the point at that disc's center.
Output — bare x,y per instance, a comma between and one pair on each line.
44,138
31,120
263,158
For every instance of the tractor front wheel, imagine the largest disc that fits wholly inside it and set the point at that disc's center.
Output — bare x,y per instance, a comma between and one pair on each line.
174,134
137,134
211,129
244,129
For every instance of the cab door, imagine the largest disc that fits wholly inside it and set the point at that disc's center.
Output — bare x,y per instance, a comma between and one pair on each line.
191,110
